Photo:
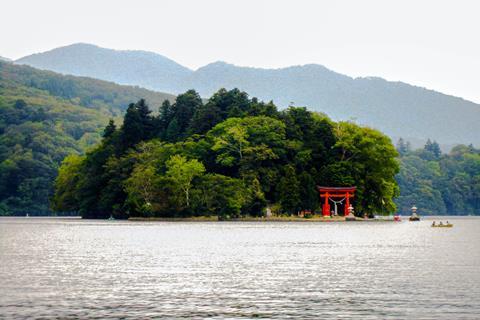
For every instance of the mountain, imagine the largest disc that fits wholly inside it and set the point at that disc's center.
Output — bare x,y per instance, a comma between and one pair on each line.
396,108
44,117
145,69
4,59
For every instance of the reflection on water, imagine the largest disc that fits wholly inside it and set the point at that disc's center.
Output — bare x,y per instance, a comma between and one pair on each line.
72,268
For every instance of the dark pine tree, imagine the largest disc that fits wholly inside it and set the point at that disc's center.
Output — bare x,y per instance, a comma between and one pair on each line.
109,129
433,148
137,125
163,120
205,119
184,108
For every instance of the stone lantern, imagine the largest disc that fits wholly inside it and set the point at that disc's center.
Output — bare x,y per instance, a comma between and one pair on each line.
350,216
414,216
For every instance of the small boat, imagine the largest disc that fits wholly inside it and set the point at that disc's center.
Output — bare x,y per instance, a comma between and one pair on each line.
397,218
441,225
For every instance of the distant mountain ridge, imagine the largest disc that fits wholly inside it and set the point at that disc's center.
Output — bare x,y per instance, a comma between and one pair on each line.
397,108
4,59
140,68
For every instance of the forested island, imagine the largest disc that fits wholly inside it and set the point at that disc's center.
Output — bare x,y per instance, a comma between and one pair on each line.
231,156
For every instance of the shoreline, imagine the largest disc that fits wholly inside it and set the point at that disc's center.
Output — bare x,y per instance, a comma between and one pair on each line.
254,219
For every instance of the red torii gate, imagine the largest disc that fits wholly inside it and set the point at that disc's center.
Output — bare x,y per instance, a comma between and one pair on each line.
335,193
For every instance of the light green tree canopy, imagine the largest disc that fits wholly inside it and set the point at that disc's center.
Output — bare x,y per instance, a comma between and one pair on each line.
182,172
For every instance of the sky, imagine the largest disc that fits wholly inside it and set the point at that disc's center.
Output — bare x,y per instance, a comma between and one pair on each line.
429,43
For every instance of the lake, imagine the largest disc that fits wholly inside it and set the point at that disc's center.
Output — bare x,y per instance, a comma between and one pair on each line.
73,268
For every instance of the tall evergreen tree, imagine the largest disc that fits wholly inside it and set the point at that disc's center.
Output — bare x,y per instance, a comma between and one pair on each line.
163,120
433,148
137,125
146,119
184,108
132,129
205,119
109,129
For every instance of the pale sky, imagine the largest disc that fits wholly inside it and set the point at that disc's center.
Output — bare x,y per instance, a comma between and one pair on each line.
430,43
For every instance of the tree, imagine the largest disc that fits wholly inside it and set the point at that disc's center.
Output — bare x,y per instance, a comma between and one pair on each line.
66,184
219,195
205,118
140,187
109,129
371,161
163,119
433,148
247,141
403,147
307,192
182,172
137,125
183,110
233,143
288,190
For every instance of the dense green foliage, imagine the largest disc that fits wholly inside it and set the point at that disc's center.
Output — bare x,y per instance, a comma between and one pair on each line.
439,183
230,156
43,118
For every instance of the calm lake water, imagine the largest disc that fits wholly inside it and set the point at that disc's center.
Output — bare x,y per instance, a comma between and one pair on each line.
72,268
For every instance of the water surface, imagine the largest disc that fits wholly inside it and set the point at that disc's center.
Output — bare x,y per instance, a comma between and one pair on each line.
73,268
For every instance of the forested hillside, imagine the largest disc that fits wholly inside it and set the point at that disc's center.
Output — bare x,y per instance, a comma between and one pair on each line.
439,183
43,118
231,157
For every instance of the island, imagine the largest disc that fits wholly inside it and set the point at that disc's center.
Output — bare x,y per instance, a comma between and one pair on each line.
230,157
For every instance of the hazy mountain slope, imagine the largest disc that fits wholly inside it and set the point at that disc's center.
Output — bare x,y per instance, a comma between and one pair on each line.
4,59
44,117
398,109
142,68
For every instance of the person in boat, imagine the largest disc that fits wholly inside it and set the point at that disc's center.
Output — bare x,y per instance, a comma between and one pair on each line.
441,223
448,222
433,224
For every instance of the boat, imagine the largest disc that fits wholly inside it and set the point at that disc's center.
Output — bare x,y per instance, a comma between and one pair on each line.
448,225
441,225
